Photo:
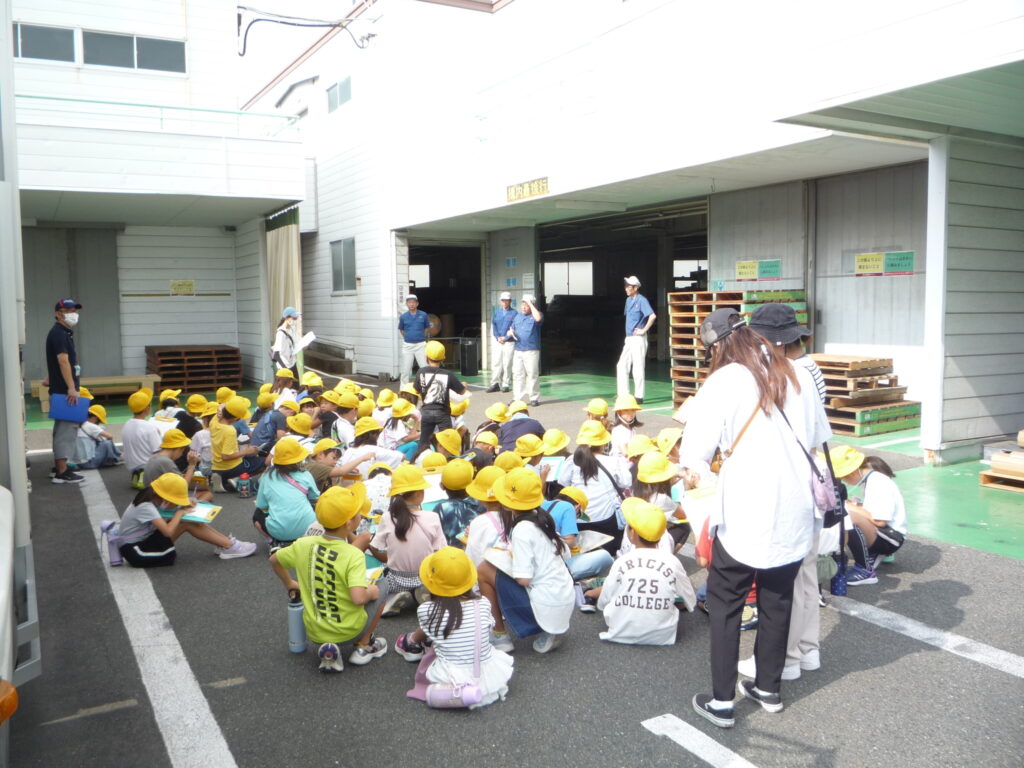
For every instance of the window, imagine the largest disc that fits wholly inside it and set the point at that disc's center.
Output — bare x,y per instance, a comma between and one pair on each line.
53,43
162,55
339,93
343,265
575,278
419,275
108,50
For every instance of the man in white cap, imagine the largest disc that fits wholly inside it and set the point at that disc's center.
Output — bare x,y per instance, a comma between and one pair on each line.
413,326
639,319
526,358
503,345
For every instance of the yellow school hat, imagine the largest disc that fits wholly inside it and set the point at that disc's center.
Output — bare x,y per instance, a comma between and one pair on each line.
85,394
481,488
311,379
224,394
597,407
300,423
336,506
324,444
521,489
237,407
555,440
196,404
284,373
459,408
386,397
365,408
435,351
516,406
359,489
366,392
401,408
169,394
643,517
290,405
174,438
266,387
265,400
448,572
627,403
172,487
380,465
288,451
668,438
331,396
639,445
845,459
305,400
487,438
653,467
433,463
497,412
577,495
409,389
457,474
450,440
508,460
99,412
139,401
366,424
593,433
407,478
347,400
529,446
210,410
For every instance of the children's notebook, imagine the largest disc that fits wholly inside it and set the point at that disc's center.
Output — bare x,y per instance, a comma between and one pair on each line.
203,513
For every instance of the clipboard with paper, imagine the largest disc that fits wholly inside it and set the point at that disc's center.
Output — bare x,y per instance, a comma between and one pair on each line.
500,558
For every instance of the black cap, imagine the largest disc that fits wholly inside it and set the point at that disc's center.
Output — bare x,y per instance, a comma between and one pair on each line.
66,304
719,324
778,324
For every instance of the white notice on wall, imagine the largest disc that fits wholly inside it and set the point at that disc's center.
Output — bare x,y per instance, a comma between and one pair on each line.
528,281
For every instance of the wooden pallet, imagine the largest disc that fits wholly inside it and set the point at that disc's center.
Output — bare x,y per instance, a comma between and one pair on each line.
851,362
851,428
884,395
196,367
876,411
1000,481
840,385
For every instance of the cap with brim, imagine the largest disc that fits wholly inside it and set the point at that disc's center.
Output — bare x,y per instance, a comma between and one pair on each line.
631,280
719,324
66,304
99,412
448,572
487,438
645,518
481,488
411,297
290,312
174,438
433,463
172,487
778,324
505,296
521,490
555,440
336,506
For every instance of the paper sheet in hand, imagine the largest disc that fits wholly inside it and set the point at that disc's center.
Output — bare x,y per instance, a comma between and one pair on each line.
555,462
305,341
500,559
591,540
436,492
203,513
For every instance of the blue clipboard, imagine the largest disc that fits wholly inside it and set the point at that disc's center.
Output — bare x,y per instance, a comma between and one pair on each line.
61,411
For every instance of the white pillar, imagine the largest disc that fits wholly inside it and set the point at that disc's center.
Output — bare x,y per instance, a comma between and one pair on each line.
935,295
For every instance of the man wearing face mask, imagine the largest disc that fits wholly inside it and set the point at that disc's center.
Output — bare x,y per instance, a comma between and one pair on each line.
63,374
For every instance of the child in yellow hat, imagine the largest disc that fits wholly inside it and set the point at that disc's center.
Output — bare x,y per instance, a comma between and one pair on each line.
624,423
457,623
147,530
435,384
283,503
458,510
175,456
140,438
367,434
488,528
655,476
94,447
401,432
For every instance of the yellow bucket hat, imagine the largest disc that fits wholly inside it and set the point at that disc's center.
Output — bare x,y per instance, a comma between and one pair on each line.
169,394
409,389
668,438
555,440
653,467
174,438
529,446
407,478
195,404
288,451
139,401
224,394
85,394
593,433
487,438
497,412
237,407
481,488
457,474
325,444
365,408
643,517
450,440
508,460
434,463
284,373
448,572
521,490
311,379
516,406
290,405
597,407
266,387
401,409
172,487
627,403
265,400
577,495
459,408
366,424
210,409
845,459
347,400
336,506
386,397
99,412
435,351
639,445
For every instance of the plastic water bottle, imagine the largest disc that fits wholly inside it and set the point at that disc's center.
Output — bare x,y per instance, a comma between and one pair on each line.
244,486
296,627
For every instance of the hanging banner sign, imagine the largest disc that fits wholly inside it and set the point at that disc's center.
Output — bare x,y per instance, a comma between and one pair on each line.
884,264
767,269
535,188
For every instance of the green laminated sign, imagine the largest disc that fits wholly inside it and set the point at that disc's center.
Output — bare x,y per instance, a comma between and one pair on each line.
768,269
883,264
899,263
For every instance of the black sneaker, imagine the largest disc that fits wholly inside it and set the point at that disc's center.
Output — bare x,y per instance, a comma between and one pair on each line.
534,403
589,605
770,702
640,401
721,717
492,388
505,389
67,478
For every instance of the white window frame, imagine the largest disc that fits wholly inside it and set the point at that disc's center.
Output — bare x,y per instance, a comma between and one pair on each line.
355,267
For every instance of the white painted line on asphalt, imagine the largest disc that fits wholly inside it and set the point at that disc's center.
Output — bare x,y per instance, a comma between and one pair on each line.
661,408
231,682
696,742
894,442
187,725
100,710
1004,661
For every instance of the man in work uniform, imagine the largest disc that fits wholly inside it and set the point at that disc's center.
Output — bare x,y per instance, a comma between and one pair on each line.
503,345
526,358
62,377
639,319
413,325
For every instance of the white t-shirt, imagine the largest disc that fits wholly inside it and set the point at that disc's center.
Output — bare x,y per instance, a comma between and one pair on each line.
284,395
391,437
381,415
806,361
638,598
551,592
764,511
392,458
343,431
883,501
202,445
667,505
602,497
485,531
141,439
621,435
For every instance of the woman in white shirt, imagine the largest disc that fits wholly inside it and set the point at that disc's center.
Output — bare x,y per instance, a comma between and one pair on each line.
602,478
764,521
284,350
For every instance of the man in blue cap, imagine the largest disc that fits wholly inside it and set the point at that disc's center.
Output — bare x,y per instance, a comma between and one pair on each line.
639,319
62,377
413,325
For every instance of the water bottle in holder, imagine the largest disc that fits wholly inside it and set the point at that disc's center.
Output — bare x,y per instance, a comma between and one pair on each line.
296,627
244,486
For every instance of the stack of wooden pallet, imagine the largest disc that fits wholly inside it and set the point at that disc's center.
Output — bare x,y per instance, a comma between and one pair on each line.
865,396
687,310
1007,472
196,368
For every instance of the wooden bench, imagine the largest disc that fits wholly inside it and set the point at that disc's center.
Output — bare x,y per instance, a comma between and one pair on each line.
101,385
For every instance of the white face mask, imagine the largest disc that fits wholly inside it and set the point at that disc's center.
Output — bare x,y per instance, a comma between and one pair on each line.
71,318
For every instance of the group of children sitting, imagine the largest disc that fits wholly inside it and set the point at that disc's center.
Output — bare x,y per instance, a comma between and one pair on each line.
497,532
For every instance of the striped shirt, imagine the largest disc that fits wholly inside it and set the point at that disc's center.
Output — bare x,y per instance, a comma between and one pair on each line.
460,646
819,380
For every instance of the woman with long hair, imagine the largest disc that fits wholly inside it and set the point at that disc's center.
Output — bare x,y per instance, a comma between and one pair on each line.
285,350
761,412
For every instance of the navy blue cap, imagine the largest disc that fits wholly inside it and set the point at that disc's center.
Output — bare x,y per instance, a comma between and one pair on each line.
66,304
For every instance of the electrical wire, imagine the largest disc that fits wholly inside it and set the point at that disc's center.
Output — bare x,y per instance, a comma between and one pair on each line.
293,21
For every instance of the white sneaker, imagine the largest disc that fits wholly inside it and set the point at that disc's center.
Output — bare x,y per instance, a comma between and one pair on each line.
217,483
502,641
422,594
395,603
811,661
237,549
748,668
547,642
364,655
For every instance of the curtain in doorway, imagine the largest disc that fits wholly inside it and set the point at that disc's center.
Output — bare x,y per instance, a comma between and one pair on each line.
284,266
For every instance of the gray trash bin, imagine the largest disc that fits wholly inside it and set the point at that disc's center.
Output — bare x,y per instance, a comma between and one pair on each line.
469,354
